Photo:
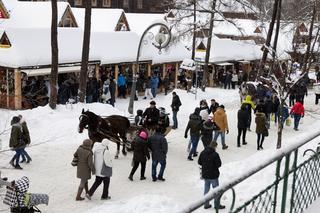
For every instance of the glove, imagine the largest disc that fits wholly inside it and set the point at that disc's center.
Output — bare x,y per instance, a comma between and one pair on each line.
302,116
227,131
185,136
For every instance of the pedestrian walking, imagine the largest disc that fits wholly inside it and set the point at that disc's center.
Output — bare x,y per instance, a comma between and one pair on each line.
16,141
25,139
213,107
103,168
147,92
154,85
297,111
234,80
140,154
151,116
249,105
122,85
210,162
85,166
194,125
243,119
175,105
207,132
220,118
261,128
159,149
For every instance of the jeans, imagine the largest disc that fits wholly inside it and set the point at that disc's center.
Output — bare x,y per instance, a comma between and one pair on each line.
148,93
296,121
214,183
154,168
154,91
25,155
96,184
194,142
89,99
174,118
242,131
16,157
223,136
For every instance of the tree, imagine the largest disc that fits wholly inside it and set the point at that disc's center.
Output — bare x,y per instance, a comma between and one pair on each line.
85,53
54,55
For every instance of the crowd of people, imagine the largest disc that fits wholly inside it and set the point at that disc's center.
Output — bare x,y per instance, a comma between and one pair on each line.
207,123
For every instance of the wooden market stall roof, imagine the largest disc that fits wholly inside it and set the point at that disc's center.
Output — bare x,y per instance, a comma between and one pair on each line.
3,11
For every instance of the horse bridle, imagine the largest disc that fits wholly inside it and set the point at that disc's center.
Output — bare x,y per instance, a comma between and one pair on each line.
80,118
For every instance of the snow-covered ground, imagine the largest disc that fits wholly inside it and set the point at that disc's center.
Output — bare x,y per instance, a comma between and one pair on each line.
55,138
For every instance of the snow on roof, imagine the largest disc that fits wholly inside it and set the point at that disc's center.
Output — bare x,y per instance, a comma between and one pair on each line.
37,50
31,14
228,50
138,22
102,20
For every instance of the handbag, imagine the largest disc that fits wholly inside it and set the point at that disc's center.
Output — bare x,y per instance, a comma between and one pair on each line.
105,170
288,122
273,117
75,160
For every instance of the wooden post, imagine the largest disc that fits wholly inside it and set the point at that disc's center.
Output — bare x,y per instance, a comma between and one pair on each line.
176,76
17,89
164,67
8,92
116,73
149,69
98,72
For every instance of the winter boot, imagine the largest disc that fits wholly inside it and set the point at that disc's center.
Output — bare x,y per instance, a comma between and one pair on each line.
131,177
79,198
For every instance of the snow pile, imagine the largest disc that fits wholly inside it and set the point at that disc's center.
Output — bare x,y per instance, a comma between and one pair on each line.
147,203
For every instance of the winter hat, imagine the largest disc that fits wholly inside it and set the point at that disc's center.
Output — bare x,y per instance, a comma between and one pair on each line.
197,111
213,144
143,135
221,106
87,142
105,142
152,103
15,120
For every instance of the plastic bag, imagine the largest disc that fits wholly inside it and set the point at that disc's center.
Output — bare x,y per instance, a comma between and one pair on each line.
288,122
273,117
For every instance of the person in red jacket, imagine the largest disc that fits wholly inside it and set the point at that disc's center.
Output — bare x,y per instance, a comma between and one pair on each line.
297,111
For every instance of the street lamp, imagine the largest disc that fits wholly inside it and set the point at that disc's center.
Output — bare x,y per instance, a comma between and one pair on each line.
161,41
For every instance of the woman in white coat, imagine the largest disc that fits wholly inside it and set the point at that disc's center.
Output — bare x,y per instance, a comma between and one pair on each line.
103,166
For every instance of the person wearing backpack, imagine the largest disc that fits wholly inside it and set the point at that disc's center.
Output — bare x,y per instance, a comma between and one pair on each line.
103,166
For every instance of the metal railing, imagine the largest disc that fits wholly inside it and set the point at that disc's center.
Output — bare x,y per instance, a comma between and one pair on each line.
296,184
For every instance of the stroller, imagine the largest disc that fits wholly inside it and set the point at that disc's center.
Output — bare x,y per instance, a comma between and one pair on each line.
19,200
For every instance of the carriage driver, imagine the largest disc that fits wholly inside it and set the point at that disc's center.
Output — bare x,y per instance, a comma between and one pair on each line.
151,116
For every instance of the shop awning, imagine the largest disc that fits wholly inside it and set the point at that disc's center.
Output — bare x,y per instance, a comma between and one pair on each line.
224,64
188,64
47,71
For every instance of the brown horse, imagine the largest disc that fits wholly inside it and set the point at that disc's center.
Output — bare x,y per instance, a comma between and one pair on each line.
112,127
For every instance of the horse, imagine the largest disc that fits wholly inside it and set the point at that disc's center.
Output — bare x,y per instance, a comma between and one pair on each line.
256,90
112,127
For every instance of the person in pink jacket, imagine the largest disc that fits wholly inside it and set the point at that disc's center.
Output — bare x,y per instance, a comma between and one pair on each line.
297,111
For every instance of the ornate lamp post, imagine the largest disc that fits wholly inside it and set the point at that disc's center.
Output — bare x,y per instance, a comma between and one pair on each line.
161,41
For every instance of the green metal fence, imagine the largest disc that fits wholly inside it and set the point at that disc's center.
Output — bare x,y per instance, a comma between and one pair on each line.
295,186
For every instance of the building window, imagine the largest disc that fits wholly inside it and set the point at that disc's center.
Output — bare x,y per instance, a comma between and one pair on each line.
126,3
94,3
78,3
140,4
106,3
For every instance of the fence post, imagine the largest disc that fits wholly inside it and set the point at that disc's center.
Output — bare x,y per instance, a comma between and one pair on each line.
294,179
285,184
275,203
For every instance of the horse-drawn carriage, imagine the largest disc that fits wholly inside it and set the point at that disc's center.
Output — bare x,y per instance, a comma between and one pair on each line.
116,128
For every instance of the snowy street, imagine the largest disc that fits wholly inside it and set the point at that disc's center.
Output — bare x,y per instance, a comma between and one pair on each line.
56,133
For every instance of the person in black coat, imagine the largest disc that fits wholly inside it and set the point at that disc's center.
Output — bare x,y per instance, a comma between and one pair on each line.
140,154
206,132
151,116
194,125
175,105
159,148
112,90
210,163
213,107
268,110
243,119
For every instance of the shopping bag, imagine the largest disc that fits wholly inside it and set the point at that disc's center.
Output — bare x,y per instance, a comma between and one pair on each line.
288,122
273,117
